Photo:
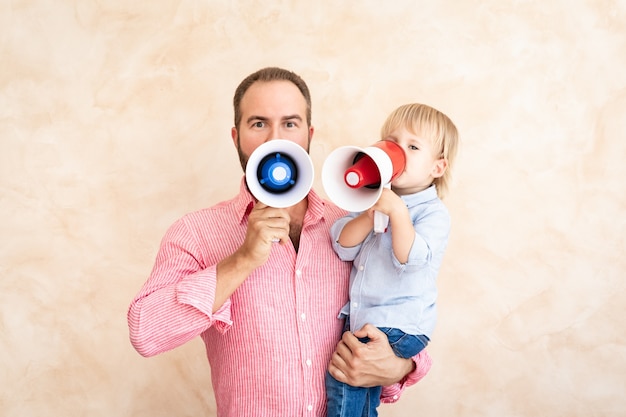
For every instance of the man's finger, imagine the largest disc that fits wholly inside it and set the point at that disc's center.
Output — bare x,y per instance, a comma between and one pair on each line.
370,331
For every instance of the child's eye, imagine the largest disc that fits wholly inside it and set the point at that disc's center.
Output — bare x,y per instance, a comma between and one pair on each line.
413,148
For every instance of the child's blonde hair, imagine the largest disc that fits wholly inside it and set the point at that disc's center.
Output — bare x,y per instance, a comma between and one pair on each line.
429,123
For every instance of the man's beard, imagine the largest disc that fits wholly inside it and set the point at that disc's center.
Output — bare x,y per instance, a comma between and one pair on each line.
243,158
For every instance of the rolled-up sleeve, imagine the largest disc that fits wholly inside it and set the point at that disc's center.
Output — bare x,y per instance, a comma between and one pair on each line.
175,304
423,363
345,254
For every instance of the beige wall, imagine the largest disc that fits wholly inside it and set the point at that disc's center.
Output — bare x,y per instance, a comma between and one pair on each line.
115,121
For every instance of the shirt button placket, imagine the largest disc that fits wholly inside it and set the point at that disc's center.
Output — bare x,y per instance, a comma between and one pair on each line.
305,339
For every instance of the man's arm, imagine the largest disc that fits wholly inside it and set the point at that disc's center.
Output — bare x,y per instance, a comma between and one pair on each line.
182,298
175,304
266,226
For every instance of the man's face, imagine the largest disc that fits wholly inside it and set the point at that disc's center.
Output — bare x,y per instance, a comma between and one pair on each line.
271,110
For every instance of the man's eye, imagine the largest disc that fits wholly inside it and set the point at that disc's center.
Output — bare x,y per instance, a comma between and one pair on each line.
258,124
290,124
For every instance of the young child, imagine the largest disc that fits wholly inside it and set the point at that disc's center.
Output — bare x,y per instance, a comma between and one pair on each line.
393,279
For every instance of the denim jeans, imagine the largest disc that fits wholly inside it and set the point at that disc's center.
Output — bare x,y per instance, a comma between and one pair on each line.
347,401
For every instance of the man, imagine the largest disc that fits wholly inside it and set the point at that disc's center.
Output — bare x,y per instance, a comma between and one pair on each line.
262,286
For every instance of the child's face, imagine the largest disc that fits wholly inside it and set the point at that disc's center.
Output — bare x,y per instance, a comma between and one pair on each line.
423,162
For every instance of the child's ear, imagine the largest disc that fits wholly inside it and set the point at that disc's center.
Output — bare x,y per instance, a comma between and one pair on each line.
440,167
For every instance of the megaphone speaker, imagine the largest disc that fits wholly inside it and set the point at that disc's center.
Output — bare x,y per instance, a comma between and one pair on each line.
354,177
279,173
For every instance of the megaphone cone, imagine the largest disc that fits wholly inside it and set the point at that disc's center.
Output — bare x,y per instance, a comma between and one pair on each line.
354,177
363,173
279,173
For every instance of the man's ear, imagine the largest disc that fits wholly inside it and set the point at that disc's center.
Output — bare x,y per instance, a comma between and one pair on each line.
439,168
233,134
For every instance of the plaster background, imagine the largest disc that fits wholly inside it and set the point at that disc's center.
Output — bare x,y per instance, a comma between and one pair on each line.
115,120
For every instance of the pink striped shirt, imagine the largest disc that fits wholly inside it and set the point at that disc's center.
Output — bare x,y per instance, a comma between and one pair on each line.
270,344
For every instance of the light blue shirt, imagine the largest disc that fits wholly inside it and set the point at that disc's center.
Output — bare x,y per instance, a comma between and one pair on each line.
385,292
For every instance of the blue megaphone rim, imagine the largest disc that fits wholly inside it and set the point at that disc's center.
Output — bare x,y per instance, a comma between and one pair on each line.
277,172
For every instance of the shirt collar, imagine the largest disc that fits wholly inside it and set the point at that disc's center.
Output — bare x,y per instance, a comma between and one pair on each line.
245,201
412,200
315,210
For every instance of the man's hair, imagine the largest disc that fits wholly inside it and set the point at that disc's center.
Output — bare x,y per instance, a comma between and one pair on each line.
430,123
266,75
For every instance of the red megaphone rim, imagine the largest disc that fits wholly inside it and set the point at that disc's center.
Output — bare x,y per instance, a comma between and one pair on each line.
396,154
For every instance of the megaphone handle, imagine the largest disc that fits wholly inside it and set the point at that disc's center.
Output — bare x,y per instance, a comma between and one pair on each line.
381,220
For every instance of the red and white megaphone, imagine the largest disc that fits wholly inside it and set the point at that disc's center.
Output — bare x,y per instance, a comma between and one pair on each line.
279,173
354,177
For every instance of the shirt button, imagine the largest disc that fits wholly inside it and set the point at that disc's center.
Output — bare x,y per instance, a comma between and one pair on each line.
395,397
355,305
310,407
308,362
303,316
298,272
361,267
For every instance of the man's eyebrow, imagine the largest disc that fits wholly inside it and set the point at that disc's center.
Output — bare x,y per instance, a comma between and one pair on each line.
251,118
265,119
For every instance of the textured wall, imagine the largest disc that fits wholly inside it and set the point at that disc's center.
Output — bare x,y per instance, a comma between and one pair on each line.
115,118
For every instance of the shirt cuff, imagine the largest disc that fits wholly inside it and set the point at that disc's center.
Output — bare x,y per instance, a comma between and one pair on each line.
423,363
198,291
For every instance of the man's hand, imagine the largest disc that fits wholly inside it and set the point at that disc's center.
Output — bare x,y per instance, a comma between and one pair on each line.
266,225
367,364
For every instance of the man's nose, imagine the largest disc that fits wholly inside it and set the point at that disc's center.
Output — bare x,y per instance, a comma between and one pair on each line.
275,133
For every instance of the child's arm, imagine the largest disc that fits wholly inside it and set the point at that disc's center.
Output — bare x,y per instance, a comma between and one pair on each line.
403,233
356,230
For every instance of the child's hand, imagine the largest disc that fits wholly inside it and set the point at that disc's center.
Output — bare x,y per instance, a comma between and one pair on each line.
389,203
